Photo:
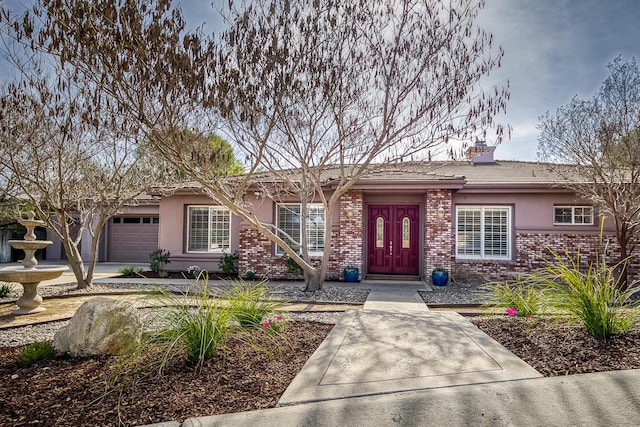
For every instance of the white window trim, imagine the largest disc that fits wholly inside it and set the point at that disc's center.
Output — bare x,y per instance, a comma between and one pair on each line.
209,250
573,214
482,255
279,250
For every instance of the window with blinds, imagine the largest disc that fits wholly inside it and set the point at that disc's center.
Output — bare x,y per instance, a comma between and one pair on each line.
209,229
290,226
483,232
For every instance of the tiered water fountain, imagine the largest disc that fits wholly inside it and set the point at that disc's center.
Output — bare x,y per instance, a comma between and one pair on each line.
29,275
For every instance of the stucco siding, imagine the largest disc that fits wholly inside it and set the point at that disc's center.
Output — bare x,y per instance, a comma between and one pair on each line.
172,234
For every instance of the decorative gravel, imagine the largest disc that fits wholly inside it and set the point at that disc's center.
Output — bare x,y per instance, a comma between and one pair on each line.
27,334
327,294
44,332
14,337
455,293
288,293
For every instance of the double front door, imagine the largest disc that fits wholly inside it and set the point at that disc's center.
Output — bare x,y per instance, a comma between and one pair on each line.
393,239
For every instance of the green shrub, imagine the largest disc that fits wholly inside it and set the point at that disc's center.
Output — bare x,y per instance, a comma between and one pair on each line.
528,300
5,289
36,353
594,297
293,267
229,263
202,331
159,260
130,271
195,322
251,305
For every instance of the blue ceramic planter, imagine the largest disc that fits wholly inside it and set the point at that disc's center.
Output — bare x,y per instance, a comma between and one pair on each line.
350,275
439,278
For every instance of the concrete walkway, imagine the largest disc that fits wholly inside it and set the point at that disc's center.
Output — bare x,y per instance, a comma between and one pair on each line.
372,352
396,296
394,344
600,399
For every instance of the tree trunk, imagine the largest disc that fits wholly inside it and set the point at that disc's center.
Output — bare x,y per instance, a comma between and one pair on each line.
95,241
313,282
78,271
622,275
77,266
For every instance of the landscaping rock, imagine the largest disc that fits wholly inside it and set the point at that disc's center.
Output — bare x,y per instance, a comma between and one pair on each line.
100,326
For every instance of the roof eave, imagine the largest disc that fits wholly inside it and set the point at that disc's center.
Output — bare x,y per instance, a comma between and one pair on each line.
511,187
410,185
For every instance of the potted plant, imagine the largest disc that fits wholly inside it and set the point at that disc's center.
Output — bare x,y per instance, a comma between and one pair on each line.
439,276
351,273
250,275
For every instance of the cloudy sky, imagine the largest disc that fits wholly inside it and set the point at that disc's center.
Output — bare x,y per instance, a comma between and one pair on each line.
554,50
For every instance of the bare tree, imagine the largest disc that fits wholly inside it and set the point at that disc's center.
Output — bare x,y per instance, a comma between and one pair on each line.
320,93
9,206
64,149
300,87
601,137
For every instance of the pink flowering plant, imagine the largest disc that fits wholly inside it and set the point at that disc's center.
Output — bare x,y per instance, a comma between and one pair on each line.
512,311
274,324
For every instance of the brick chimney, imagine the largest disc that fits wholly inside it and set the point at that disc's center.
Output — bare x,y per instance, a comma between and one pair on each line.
480,153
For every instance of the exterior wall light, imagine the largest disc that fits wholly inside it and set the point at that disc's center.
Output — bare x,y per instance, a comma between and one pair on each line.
440,211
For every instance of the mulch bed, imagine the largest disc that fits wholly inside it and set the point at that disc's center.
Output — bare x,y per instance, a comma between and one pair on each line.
77,391
555,347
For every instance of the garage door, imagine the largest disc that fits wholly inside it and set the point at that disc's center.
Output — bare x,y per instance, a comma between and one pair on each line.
132,238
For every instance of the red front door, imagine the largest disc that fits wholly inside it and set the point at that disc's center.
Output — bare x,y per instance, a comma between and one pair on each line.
393,239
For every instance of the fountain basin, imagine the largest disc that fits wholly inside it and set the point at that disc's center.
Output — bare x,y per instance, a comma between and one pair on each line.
30,301
30,245
20,274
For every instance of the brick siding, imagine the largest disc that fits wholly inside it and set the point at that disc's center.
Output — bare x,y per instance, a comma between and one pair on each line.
532,252
350,236
257,253
438,235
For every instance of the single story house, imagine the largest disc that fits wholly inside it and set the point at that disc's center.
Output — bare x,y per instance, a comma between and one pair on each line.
481,217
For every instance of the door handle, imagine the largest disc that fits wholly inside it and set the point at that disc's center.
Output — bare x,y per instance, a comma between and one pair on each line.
391,248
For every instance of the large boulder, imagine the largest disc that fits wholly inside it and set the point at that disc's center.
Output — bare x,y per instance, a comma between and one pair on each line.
100,326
